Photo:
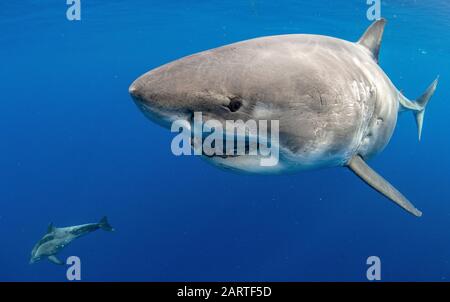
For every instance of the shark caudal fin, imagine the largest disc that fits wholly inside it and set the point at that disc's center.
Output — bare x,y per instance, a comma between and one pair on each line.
423,101
104,224
418,106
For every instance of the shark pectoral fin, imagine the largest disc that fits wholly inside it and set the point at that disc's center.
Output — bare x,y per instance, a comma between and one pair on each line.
55,260
373,179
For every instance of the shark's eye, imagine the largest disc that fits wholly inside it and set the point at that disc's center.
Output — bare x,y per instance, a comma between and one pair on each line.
235,104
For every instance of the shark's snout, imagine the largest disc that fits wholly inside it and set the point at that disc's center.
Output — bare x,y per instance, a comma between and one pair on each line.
133,90
136,91
157,97
145,91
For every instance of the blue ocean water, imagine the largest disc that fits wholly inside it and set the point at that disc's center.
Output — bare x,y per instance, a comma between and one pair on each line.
75,147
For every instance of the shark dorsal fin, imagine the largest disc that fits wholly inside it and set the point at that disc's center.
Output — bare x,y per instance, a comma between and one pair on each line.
372,38
50,228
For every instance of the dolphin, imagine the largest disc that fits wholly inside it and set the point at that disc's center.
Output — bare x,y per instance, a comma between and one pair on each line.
335,105
57,238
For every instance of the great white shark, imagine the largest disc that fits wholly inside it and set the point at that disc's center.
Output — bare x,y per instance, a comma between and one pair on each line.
334,104
58,238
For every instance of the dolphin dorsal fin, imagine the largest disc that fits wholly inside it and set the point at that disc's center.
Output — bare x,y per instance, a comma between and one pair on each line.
50,228
372,38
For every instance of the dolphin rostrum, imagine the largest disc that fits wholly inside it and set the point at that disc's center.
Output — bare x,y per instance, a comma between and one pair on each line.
334,104
57,238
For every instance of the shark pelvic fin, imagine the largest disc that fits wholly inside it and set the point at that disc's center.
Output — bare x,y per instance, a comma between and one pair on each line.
371,39
373,179
55,260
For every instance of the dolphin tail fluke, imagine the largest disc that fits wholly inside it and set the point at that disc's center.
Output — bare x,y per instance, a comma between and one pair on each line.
104,224
373,179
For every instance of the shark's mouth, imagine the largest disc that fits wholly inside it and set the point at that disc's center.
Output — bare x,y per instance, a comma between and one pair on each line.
162,117
222,138
166,120
239,149
226,149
